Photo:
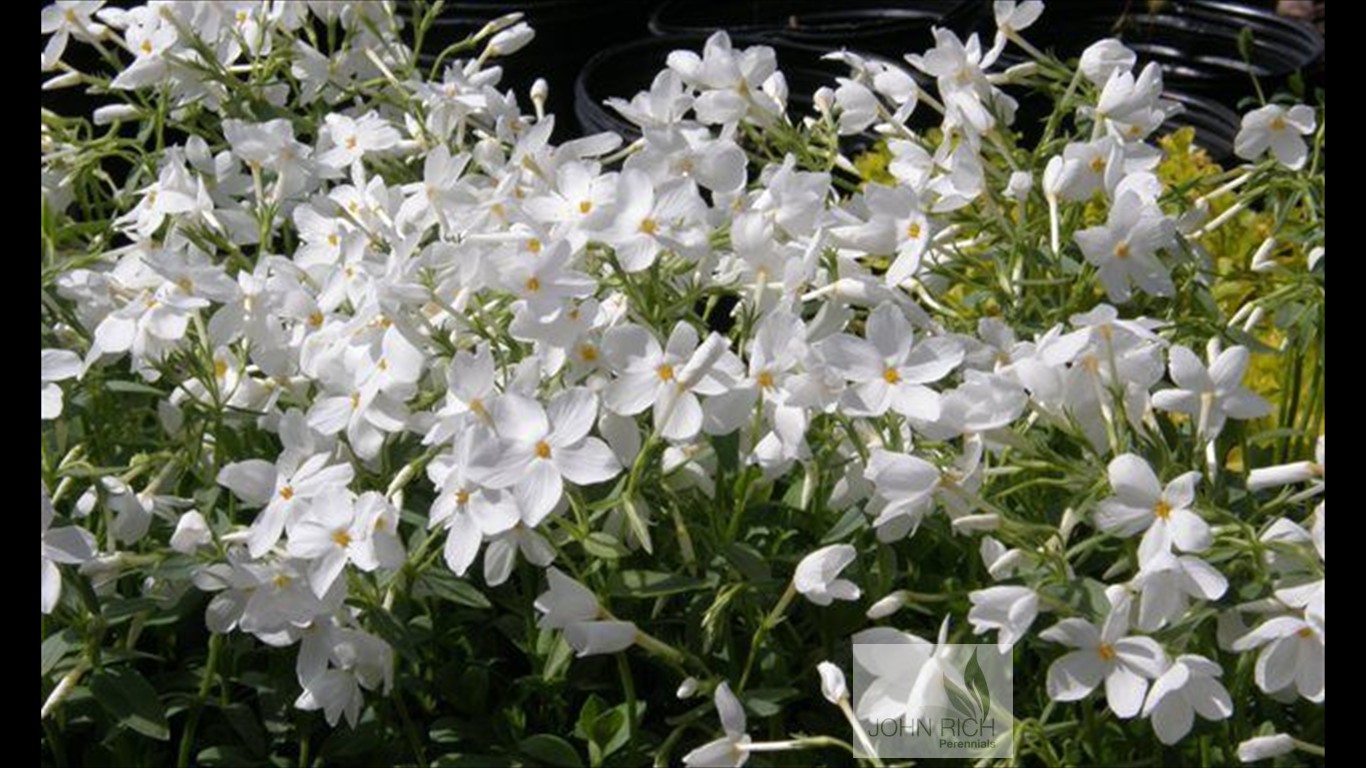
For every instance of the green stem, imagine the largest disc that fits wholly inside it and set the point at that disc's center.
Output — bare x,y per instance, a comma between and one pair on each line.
628,683
765,627
409,730
197,709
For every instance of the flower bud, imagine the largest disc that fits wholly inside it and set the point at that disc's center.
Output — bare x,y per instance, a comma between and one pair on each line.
1265,747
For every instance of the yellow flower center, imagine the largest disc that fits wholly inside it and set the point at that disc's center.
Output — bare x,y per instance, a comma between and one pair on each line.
462,497
287,492
533,245
315,319
543,450
1122,251
891,376
1106,652
665,372
913,231
351,142
585,206
764,380
588,352
342,538
532,284
1305,632
1163,510
648,226
220,367
1098,165
1278,124
146,47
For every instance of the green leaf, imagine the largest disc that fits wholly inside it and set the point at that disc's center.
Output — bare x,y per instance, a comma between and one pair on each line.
767,702
133,387
550,750
56,647
444,585
851,521
131,701
604,546
558,659
588,715
1245,43
610,732
652,584
636,510
747,561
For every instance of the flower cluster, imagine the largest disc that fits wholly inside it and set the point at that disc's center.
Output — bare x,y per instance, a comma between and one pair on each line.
342,273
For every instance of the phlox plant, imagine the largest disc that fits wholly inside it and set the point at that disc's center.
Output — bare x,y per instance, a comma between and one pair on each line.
379,428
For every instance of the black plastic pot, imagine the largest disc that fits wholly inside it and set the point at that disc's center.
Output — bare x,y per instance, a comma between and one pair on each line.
890,28
568,34
1194,41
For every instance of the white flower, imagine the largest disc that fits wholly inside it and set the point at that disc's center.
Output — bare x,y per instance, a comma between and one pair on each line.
817,575
510,40
1124,249
1014,17
1295,472
338,530
352,138
888,605
905,484
353,660
1168,582
889,369
1213,394
833,685
58,365
1124,663
64,19
284,489
958,68
191,533
1265,747
1010,609
686,688
652,218
1190,685
731,82
1019,186
858,107
572,607
669,379
1105,58
929,695
729,751
895,224
1292,655
538,449
1141,503
69,545
1132,107
1278,129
